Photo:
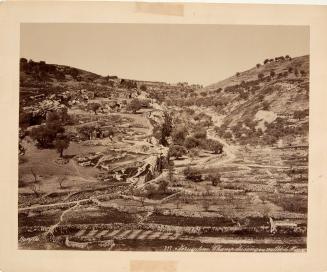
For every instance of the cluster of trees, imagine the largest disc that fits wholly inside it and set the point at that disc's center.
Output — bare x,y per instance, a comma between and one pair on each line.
196,175
208,101
129,84
51,135
137,104
42,71
246,132
301,114
182,142
281,58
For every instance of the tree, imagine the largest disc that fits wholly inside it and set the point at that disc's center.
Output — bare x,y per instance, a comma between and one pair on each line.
192,174
134,105
191,142
260,76
86,131
258,65
176,151
61,143
94,107
166,129
215,146
215,178
61,180
36,189
265,105
178,135
34,175
272,73
238,74
201,134
266,61
143,87
290,69
163,184
296,72
46,134
303,73
171,171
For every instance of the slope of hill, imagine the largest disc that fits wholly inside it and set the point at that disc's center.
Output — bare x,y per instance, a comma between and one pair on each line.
269,100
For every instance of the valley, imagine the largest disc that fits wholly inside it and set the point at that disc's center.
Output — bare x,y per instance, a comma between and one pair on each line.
107,163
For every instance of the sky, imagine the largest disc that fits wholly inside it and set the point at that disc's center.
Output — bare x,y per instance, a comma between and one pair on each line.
201,54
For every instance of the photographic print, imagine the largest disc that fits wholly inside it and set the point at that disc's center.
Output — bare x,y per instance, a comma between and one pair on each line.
163,137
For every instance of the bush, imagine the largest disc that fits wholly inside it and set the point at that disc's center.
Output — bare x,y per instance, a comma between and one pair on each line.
192,174
260,76
143,87
176,151
191,142
94,107
202,134
265,105
258,65
163,184
178,135
272,73
215,146
215,178
134,105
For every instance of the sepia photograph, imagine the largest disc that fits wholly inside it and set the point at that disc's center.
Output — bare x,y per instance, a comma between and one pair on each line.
163,137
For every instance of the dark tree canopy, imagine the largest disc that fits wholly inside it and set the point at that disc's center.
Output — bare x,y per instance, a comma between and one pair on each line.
61,143
176,151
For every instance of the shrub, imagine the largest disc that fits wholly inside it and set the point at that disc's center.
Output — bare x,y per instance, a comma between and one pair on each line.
94,107
296,72
238,74
258,65
191,142
265,105
179,134
228,135
201,134
162,186
215,178
272,73
260,76
176,151
143,87
192,174
215,146
134,105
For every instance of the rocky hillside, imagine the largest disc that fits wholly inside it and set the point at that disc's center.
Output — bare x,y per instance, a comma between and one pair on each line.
269,101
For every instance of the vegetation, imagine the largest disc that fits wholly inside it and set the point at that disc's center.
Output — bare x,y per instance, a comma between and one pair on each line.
177,151
61,143
192,174
134,105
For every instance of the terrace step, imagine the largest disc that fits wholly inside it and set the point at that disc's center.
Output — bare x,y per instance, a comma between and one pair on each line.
136,234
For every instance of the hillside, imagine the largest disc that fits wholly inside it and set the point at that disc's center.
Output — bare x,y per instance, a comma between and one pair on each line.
262,105
277,105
